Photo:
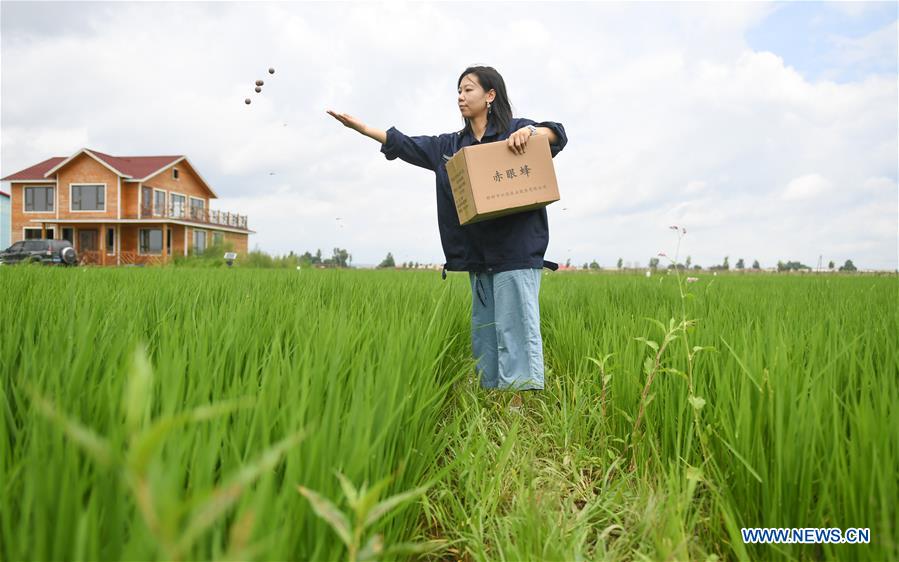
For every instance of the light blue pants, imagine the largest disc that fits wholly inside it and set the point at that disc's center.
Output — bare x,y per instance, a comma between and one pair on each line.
505,329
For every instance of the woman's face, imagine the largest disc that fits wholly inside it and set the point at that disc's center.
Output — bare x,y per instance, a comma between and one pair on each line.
472,97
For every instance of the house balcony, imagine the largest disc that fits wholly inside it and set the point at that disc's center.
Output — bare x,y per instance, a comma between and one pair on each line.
200,216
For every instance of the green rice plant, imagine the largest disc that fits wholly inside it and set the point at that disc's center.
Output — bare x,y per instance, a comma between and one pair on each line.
369,395
652,365
787,424
174,533
366,510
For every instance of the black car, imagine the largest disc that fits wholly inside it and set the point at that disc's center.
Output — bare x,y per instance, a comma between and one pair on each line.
40,251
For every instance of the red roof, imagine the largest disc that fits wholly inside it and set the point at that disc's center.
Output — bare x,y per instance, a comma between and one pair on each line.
37,171
135,166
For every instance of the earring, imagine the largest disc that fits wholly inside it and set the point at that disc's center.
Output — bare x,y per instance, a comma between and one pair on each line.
488,107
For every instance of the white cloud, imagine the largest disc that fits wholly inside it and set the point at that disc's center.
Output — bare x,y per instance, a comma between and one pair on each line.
880,185
806,187
879,44
853,8
695,186
672,118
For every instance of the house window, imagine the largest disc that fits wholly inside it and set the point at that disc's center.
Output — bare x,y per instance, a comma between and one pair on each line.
158,203
110,240
68,234
32,233
174,173
88,197
39,199
197,208
146,201
151,241
217,238
199,241
177,205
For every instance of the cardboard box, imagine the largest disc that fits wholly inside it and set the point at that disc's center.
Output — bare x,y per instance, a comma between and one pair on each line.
489,180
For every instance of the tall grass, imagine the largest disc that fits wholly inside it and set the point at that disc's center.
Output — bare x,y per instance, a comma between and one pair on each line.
159,413
361,366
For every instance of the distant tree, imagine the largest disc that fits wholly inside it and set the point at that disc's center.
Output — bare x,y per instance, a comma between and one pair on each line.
725,265
568,262
687,262
653,263
318,256
697,267
848,266
620,262
755,265
594,265
740,263
388,262
416,265
792,266
831,265
584,266
340,257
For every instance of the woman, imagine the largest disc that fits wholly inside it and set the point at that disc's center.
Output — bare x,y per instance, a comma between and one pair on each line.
504,256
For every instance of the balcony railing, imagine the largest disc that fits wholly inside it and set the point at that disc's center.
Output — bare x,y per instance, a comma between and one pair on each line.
196,214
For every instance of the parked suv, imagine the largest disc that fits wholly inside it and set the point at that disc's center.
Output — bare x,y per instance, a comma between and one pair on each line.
40,251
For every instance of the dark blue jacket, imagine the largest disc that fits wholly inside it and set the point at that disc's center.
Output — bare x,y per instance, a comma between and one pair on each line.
515,241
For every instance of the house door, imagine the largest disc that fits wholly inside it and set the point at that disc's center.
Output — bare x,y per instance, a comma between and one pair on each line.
87,240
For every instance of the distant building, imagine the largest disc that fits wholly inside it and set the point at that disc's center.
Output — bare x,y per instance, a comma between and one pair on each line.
5,221
118,210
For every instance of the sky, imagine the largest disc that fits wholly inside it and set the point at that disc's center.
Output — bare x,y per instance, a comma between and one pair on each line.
767,130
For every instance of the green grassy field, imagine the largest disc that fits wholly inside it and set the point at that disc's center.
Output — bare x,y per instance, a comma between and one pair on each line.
192,414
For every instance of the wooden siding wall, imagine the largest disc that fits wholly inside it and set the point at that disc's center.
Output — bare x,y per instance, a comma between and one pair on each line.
19,219
84,169
178,239
187,184
129,199
240,242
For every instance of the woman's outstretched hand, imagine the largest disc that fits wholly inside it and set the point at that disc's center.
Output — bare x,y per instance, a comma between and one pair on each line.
348,121
359,126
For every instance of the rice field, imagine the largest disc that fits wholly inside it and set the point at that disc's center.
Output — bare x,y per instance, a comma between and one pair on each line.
248,414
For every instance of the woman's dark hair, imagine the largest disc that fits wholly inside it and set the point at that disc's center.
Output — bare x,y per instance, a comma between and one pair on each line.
500,108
